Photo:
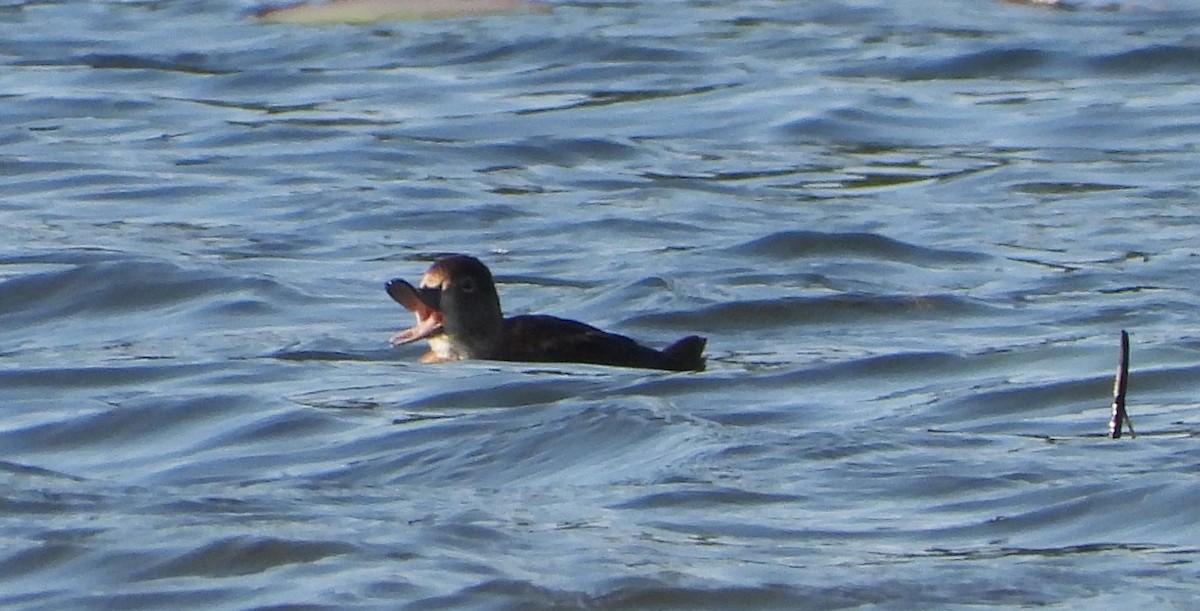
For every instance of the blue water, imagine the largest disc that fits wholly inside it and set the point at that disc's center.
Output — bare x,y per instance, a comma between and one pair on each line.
910,230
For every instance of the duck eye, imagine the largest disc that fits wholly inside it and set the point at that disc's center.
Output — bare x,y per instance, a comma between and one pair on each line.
467,285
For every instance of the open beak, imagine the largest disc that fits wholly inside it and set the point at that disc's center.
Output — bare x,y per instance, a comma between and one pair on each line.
423,302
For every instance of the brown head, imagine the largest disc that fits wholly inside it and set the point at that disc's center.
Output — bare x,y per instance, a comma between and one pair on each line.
457,309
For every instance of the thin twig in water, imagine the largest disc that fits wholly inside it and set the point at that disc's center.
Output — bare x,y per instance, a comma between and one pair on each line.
1120,385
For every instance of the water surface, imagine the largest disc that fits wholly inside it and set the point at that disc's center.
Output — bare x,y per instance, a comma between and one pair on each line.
911,232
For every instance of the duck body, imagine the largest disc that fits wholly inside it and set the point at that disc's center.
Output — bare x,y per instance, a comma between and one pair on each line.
458,313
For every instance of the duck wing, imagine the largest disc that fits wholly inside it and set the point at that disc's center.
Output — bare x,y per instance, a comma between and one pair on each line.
549,339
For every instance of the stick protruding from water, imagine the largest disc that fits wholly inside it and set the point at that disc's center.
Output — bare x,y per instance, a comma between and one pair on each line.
1120,386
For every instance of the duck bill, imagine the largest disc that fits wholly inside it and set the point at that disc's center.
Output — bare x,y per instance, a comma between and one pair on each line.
423,302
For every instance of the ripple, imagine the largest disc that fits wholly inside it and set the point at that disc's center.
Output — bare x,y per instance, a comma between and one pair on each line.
95,377
587,444
792,311
119,287
632,593
244,555
1177,59
515,394
190,63
910,235
983,64
799,244
707,498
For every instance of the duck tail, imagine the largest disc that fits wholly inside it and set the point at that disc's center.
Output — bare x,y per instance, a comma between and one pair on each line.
687,354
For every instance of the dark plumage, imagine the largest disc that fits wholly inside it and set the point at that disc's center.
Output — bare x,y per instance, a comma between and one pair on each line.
458,313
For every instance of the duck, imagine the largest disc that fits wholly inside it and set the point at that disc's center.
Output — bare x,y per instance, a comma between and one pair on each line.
458,313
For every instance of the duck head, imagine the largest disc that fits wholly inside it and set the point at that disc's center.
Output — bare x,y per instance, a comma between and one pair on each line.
457,309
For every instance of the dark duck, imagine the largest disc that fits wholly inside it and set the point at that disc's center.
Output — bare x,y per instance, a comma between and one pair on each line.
458,313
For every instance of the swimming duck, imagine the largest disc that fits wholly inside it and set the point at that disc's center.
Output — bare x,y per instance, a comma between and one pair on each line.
458,313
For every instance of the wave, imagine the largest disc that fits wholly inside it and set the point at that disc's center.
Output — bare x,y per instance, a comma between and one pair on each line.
765,314
795,244
119,286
